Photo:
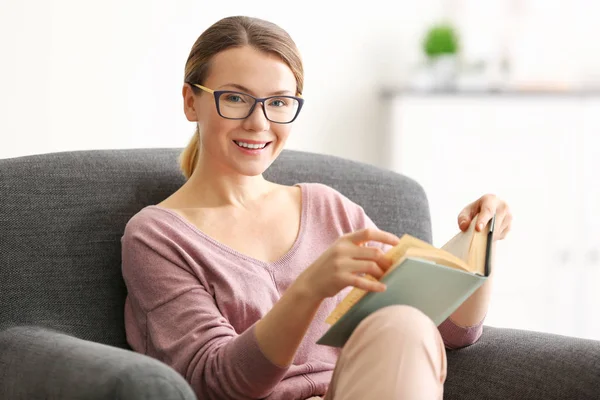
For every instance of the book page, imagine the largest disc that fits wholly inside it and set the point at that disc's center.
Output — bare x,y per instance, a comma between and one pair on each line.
439,257
460,244
470,246
478,250
347,303
406,242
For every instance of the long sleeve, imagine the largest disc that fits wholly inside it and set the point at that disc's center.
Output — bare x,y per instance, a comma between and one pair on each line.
172,316
456,336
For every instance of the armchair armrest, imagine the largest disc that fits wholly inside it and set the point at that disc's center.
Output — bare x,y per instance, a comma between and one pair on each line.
517,364
37,363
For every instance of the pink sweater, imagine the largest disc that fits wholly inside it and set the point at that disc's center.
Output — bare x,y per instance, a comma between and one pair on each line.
193,302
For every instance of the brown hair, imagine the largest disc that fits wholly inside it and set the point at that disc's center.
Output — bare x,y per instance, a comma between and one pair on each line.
236,32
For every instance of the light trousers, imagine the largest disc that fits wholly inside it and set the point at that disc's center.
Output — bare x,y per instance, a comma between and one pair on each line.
395,353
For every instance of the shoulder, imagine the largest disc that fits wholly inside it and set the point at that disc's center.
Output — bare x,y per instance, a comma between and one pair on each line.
330,206
325,195
143,218
150,222
154,243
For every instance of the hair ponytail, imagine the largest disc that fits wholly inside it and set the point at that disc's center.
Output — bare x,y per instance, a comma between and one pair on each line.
189,157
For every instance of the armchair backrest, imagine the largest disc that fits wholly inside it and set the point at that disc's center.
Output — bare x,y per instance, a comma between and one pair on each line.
62,216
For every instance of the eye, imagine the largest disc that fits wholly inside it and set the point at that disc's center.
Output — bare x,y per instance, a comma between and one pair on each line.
234,98
278,103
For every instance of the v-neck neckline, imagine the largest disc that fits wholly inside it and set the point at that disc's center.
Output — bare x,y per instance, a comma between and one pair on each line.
304,206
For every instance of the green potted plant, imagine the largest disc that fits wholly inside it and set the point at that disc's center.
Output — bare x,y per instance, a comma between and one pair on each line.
441,46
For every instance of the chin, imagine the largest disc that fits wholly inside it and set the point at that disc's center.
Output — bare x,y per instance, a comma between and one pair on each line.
248,170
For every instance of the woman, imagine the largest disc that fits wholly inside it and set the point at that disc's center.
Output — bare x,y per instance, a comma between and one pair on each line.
230,278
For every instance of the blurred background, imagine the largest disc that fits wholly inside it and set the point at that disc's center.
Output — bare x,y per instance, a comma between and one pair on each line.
467,97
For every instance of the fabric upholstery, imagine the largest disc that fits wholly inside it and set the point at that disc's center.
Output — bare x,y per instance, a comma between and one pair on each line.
61,219
37,363
62,216
518,364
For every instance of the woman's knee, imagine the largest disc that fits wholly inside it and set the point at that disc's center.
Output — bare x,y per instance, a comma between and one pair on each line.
398,320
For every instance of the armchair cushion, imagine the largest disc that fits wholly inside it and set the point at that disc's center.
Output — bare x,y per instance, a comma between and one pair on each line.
518,364
37,363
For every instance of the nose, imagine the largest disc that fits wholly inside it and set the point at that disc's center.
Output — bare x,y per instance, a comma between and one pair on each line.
257,121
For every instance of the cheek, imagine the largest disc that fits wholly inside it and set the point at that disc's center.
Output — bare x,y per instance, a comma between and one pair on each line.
281,131
220,127
215,126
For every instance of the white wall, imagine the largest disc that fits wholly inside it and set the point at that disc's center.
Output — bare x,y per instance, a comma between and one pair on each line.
87,75
90,75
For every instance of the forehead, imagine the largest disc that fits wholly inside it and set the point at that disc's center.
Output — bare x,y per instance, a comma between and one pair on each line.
259,71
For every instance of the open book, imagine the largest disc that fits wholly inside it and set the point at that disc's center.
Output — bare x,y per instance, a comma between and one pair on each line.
435,281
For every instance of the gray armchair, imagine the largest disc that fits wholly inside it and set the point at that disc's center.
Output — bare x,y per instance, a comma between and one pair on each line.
61,293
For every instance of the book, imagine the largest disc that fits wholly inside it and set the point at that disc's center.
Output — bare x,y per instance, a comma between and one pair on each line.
435,281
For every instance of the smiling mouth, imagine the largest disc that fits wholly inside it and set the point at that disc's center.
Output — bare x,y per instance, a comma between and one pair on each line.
250,146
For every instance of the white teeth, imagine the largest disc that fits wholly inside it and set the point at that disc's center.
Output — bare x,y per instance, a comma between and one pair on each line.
250,146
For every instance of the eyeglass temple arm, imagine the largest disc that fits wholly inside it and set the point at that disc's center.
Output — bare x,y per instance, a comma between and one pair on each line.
204,88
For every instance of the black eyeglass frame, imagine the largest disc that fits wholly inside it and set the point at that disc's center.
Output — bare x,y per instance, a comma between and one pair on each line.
217,94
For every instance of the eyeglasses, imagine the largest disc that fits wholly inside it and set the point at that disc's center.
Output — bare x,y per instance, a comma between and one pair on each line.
238,105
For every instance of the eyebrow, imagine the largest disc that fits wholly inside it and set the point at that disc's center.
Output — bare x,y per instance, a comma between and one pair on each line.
245,89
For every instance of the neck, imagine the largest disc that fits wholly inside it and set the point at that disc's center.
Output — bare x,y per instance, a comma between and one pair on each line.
212,187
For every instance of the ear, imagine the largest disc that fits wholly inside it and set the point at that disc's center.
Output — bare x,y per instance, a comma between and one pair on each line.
189,103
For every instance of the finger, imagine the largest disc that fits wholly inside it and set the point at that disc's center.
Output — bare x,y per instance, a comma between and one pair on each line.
486,212
367,284
374,254
502,234
371,234
506,227
363,267
347,265
466,215
360,268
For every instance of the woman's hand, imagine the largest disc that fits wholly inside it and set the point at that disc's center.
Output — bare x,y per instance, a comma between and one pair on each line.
486,206
344,263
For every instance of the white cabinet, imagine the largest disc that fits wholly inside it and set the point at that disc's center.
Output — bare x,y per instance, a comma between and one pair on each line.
542,155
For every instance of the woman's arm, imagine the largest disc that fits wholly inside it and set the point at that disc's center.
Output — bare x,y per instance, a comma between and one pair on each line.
475,308
280,332
465,326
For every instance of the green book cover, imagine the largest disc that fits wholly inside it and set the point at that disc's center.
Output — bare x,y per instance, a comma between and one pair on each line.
434,289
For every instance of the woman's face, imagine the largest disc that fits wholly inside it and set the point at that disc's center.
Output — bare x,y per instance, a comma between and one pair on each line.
249,71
